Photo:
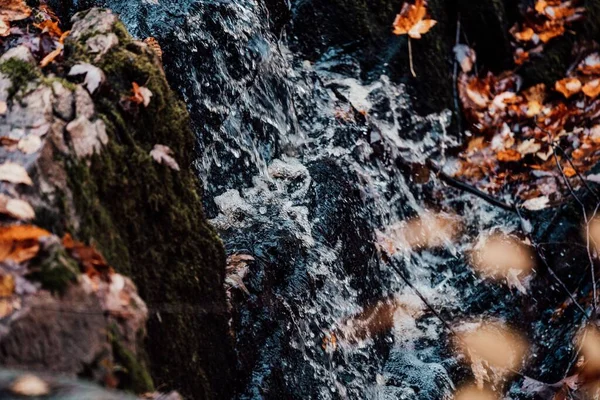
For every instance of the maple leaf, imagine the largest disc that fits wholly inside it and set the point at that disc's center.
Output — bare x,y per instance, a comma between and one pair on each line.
94,76
568,86
141,94
164,155
413,21
51,27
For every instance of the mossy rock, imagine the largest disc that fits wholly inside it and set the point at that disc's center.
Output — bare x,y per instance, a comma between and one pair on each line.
147,219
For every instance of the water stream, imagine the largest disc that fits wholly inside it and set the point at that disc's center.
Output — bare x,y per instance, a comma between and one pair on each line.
304,166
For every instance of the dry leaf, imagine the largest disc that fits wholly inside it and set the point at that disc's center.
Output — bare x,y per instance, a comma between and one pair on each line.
94,76
590,65
30,386
525,35
164,155
568,86
413,21
7,285
87,137
592,88
508,155
14,173
50,27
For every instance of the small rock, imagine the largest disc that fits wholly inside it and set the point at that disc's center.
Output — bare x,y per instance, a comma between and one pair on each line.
20,53
63,101
95,20
84,105
101,44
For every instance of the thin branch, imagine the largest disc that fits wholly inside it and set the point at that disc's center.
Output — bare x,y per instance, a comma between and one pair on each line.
468,188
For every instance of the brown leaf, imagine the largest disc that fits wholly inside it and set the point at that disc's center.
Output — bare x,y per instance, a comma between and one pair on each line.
91,261
412,20
590,65
508,155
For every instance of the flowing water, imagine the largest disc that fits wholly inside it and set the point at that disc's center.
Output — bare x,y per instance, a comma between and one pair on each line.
304,165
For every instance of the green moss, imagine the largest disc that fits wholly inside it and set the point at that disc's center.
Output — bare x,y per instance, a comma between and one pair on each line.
55,270
20,73
133,375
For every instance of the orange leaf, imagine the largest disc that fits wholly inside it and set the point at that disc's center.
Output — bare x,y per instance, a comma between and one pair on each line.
592,88
568,86
525,35
22,232
508,155
569,172
412,20
51,56
550,30
12,10
51,27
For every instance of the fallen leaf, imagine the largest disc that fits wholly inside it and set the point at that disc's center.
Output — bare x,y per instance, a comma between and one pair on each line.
141,95
465,56
50,26
525,35
529,146
592,88
536,204
7,285
550,30
590,65
20,243
14,173
16,208
30,144
12,10
30,386
164,155
508,155
413,21
94,76
91,261
155,46
87,137
50,57
568,86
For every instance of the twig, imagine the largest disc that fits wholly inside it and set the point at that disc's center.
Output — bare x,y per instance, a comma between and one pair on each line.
457,110
410,58
581,178
468,188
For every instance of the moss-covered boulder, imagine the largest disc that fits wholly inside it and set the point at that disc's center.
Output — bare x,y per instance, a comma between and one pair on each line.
108,149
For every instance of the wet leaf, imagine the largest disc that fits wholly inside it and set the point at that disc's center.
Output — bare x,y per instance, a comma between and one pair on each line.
94,76
164,155
141,95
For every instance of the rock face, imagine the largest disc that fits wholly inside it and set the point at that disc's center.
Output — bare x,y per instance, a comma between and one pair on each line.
77,135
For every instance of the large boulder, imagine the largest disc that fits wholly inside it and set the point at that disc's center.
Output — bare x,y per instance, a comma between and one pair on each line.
94,140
